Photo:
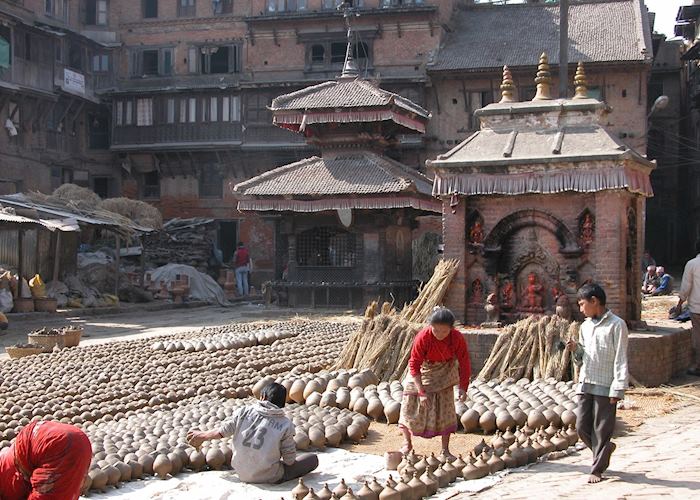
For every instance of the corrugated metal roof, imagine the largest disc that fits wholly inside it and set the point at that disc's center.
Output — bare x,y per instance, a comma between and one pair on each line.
16,219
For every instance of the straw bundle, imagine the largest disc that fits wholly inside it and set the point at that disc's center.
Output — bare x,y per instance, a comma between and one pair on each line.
76,195
140,212
534,347
383,342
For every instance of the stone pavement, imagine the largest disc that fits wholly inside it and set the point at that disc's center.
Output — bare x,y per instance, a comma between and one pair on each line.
660,459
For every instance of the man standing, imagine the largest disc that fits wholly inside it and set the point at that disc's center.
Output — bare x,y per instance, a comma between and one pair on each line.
690,292
602,354
241,262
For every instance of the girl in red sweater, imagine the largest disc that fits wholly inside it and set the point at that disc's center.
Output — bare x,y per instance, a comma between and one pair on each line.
439,361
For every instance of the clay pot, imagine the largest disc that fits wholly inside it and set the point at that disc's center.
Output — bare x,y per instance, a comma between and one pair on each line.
361,406
325,493
375,409
508,437
392,459
470,420
420,466
296,393
504,421
418,487
404,490
176,463
519,455
311,495
349,495
197,460
442,477
487,422
147,462
481,447
572,435
162,466
392,411
355,433
560,442
508,461
113,475
260,385
341,489
389,493
535,420
568,418
317,437
459,464
366,493
302,441
98,479
300,490
451,471
433,462
530,451
495,464
124,470
136,469
215,458
471,471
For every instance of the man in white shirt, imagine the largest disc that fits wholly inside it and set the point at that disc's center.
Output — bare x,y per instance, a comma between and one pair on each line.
690,292
602,354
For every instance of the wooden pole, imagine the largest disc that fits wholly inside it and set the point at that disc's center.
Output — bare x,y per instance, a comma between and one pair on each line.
57,256
20,251
563,47
116,277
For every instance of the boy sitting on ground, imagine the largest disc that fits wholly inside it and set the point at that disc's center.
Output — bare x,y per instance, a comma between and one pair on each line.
263,441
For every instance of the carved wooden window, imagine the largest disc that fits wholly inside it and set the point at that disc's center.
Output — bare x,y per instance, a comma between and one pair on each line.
222,7
150,9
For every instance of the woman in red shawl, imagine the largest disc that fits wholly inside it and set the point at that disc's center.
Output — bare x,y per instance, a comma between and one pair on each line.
439,361
47,461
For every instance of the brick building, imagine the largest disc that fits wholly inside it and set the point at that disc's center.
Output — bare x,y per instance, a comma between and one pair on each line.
185,86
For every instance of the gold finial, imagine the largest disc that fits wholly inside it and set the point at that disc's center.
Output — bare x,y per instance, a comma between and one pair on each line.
543,80
580,82
507,86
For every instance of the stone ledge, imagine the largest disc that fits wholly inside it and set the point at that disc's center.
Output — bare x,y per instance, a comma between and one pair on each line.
655,356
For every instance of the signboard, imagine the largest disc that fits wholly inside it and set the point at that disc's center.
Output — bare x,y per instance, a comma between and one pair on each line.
73,82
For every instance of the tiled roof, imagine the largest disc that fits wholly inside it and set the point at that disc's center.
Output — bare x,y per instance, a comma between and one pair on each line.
490,36
343,93
352,173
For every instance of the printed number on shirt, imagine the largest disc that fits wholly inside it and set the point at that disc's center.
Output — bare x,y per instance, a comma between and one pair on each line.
254,437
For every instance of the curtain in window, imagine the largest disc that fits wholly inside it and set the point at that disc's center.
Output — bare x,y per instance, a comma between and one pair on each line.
144,112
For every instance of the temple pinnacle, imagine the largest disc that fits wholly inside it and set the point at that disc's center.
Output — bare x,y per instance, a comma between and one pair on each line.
543,80
580,82
507,86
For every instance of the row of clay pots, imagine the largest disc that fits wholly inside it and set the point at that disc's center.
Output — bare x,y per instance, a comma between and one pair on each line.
96,383
153,442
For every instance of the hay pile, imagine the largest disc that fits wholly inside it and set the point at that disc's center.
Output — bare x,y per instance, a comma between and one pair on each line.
534,347
76,196
383,342
140,212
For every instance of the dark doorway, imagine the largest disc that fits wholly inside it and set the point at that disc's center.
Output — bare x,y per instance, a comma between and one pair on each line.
228,238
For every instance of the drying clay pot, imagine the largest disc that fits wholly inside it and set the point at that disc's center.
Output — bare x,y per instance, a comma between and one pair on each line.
162,466
300,490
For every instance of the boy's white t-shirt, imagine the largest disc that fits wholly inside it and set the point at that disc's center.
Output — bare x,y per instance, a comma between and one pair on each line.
263,440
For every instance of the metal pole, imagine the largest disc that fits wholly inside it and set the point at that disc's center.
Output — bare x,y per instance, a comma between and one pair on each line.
20,267
563,47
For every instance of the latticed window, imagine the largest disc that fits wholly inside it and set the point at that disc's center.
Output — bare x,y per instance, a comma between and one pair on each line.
326,246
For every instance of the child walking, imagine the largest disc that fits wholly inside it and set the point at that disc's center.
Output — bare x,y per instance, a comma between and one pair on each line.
602,355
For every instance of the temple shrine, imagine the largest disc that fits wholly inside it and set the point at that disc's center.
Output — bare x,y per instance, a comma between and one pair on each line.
540,200
344,219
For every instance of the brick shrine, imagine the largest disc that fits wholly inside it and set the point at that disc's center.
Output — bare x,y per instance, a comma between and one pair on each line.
540,200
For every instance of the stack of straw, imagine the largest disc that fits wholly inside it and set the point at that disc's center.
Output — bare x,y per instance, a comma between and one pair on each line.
534,347
383,342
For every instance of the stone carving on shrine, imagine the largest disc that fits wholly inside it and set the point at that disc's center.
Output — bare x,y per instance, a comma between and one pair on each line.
533,295
507,296
476,233
587,229
492,312
477,291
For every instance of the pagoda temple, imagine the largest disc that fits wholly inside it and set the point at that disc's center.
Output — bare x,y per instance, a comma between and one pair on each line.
540,200
344,219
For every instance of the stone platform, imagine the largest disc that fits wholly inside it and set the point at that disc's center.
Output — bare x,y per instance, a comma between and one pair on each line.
655,355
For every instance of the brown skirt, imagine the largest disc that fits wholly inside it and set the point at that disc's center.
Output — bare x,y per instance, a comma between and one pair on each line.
438,419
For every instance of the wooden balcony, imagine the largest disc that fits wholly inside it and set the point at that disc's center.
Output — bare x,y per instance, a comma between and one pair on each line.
262,136
29,75
177,136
